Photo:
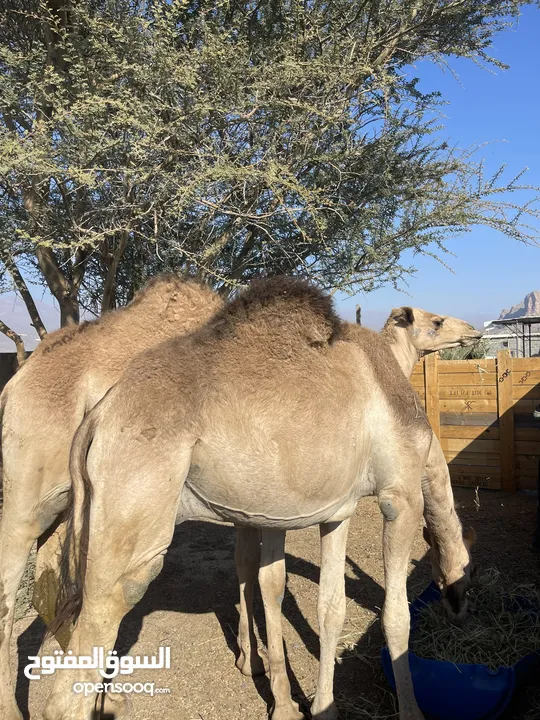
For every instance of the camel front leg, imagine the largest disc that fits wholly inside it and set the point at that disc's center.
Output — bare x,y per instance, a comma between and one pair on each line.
331,613
272,582
397,542
247,556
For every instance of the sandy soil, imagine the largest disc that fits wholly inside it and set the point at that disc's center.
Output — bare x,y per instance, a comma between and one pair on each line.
192,608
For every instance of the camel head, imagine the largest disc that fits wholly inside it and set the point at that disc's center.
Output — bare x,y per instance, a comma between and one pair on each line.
429,332
453,571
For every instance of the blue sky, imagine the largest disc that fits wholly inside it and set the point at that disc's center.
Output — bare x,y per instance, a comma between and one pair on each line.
491,272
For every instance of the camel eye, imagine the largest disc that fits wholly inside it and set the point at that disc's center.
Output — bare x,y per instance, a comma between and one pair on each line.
438,324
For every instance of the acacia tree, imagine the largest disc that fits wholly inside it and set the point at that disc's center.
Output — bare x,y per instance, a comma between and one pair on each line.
234,139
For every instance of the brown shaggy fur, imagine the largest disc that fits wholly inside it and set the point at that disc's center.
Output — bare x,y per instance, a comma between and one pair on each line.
166,286
280,301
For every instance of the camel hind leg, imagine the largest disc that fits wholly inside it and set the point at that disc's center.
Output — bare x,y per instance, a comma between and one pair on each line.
247,556
272,582
131,525
27,512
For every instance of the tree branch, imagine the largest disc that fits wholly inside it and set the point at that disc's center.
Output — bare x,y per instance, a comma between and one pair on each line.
17,339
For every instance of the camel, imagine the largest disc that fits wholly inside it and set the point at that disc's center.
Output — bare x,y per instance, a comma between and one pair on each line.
43,404
66,376
276,415
410,333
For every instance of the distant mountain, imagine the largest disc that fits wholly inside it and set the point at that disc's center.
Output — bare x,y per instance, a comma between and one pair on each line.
530,305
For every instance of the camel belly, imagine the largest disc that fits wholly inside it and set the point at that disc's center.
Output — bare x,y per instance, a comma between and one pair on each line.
246,488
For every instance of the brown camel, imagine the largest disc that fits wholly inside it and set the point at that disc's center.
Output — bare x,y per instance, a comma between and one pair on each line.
66,376
44,403
275,415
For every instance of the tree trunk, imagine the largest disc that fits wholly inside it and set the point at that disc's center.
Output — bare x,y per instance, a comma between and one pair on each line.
22,287
66,292
69,311
17,339
109,290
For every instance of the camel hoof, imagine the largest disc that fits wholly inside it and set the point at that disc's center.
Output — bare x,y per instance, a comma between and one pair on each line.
253,667
117,705
288,712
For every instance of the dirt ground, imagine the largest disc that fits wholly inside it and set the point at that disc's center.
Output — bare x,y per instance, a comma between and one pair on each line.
192,607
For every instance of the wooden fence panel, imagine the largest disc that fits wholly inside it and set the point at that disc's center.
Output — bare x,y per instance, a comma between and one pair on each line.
482,413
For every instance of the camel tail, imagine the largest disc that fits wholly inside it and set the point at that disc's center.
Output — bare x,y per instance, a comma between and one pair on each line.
75,549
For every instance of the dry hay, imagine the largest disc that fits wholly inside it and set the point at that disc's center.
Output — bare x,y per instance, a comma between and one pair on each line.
498,631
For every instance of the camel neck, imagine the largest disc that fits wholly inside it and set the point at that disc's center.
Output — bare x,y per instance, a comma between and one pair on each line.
404,351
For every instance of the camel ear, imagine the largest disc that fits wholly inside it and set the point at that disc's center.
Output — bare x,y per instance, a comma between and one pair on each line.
403,314
469,537
427,535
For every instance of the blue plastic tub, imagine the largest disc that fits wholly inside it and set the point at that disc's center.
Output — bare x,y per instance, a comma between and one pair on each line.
446,691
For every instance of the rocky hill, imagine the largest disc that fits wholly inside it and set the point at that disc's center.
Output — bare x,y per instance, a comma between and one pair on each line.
530,305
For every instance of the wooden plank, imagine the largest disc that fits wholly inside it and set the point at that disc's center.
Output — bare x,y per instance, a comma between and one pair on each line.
485,419
468,392
526,391
530,472
526,377
477,379
506,420
470,446
525,420
483,469
467,366
465,458
531,434
526,447
522,364
474,432
468,406
432,392
418,369
488,481
526,406
527,462
526,483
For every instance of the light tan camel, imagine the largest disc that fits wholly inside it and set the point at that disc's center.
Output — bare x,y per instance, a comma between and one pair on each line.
44,404
276,416
410,333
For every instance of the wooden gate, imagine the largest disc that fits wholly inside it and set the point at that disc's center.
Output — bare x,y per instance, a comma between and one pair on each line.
482,412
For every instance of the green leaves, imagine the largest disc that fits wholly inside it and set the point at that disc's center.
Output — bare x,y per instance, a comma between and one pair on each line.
232,139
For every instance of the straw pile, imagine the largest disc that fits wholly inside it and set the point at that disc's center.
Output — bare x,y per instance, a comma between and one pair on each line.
497,632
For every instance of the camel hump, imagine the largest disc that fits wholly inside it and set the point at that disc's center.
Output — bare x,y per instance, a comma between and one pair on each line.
166,297
283,304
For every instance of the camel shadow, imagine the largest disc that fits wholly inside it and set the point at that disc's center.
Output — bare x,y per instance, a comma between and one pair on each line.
199,577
